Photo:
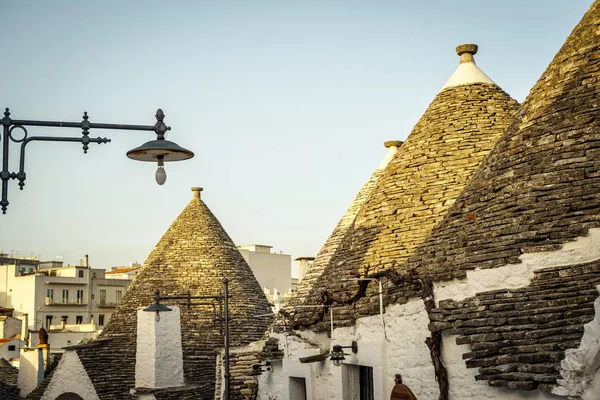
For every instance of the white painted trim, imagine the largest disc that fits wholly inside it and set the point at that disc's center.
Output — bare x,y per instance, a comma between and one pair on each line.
513,276
70,377
465,74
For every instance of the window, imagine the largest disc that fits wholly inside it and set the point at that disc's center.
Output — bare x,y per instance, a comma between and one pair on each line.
12,347
297,388
119,295
65,296
80,273
103,297
50,295
100,319
64,319
80,296
48,321
79,319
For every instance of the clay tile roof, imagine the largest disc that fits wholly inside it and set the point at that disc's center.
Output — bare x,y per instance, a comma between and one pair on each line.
194,254
539,187
121,270
446,146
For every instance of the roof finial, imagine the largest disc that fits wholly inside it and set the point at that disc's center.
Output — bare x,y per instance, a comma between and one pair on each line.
393,143
197,191
466,52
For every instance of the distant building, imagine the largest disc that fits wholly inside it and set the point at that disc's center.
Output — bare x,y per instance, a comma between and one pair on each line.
123,272
49,294
273,271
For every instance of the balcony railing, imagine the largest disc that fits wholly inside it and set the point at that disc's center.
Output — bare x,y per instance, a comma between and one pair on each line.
51,301
107,304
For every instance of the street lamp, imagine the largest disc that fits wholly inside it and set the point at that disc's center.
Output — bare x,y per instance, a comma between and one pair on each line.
159,150
222,300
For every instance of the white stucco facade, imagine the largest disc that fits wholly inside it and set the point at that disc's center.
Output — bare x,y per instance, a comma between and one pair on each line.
10,350
70,377
403,350
31,370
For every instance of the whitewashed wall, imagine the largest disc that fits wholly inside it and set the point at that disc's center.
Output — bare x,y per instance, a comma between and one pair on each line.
402,350
70,376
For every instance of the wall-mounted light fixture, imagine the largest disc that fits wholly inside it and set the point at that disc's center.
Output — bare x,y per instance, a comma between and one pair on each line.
337,354
257,369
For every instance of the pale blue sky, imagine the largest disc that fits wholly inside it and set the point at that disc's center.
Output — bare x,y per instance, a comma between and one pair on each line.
285,103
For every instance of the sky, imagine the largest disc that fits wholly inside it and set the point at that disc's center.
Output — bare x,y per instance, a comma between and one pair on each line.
286,105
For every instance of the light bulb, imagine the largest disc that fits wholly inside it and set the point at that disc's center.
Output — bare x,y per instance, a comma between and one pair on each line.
337,362
161,174
157,317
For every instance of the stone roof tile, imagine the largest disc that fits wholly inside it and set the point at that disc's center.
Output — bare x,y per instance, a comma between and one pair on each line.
194,254
418,186
538,188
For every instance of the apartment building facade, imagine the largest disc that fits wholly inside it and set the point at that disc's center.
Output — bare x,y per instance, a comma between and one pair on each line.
49,294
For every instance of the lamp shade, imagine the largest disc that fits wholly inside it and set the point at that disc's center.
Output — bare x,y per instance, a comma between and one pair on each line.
150,151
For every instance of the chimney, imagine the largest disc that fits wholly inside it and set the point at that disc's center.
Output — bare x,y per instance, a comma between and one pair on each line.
25,329
87,261
159,355
392,146
31,369
303,264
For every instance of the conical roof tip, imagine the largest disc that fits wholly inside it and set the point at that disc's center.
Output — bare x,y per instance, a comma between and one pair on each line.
466,52
393,143
197,191
467,72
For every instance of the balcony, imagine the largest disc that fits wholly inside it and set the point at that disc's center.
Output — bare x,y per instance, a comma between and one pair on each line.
51,301
107,304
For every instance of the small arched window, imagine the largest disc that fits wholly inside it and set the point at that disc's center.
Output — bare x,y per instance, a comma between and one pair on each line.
69,396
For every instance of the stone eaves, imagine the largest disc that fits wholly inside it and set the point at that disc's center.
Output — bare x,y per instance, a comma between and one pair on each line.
518,337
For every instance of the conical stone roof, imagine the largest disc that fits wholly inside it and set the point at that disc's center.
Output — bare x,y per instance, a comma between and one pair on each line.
419,185
195,254
537,190
539,187
342,229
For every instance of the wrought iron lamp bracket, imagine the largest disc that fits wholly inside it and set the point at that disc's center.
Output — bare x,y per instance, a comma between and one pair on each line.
9,125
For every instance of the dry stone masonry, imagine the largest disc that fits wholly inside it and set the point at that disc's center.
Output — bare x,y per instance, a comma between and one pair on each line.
194,254
415,190
518,337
